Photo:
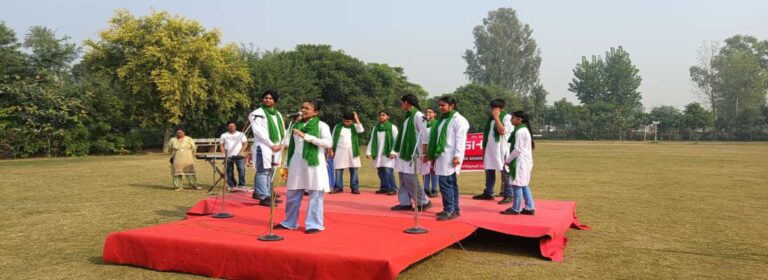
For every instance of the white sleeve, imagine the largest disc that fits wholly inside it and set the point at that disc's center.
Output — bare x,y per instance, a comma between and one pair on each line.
370,141
520,138
324,140
394,137
359,128
422,129
508,127
258,134
460,138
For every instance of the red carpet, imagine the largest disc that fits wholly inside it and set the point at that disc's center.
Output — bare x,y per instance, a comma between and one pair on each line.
363,238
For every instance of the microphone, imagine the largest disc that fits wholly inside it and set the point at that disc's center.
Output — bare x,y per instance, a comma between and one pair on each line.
425,118
293,114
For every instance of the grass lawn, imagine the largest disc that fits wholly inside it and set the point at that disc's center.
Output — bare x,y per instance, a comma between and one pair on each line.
669,210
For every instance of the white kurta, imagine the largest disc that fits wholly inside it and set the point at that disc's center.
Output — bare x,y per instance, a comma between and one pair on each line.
301,176
455,145
261,139
496,152
425,167
381,160
344,157
523,152
423,138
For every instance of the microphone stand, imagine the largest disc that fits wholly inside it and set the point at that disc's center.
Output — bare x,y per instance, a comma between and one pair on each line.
270,236
222,213
415,158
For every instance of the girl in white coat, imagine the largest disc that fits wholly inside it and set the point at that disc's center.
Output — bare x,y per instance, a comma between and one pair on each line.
520,161
307,169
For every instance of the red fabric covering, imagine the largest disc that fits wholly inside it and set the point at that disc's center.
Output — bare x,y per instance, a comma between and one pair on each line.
363,238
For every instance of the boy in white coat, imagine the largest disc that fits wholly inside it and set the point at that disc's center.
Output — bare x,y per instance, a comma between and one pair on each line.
346,152
268,134
497,130
381,150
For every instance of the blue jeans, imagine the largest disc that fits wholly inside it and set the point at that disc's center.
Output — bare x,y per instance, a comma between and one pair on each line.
314,217
339,179
430,180
240,172
449,188
407,192
520,193
387,179
262,184
490,180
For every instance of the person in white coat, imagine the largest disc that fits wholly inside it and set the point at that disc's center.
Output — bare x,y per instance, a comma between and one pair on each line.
497,130
268,134
520,161
409,146
381,150
447,143
307,169
346,152
430,179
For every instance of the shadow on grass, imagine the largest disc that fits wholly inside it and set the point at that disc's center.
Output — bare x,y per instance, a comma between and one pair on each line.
179,212
96,260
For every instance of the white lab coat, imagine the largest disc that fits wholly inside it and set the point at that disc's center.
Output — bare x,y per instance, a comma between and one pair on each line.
344,157
455,145
382,160
496,152
523,152
261,139
421,126
301,176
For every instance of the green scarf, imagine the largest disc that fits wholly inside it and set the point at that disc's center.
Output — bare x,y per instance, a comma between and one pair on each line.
387,128
309,152
431,122
355,140
276,131
437,139
489,126
406,142
513,164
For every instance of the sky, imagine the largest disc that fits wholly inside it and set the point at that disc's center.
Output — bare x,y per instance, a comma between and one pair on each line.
427,38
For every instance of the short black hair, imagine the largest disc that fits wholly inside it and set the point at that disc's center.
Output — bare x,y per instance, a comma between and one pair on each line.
450,100
272,93
498,103
348,116
182,129
385,112
411,99
315,104
231,122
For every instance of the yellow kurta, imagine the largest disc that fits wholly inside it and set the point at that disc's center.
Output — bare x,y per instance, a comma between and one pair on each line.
183,155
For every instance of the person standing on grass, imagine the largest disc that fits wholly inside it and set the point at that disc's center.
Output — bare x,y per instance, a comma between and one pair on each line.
307,170
268,133
182,149
381,149
498,128
430,179
346,152
520,162
233,144
447,143
408,147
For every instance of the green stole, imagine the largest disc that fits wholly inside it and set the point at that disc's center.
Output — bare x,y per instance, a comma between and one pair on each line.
355,140
437,137
309,151
276,131
513,164
406,141
488,127
387,128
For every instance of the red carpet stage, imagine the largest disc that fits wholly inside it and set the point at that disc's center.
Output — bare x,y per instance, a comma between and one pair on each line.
363,238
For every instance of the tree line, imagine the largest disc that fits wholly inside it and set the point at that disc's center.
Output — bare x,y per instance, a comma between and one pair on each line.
143,76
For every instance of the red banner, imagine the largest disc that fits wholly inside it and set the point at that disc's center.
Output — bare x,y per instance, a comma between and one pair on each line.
473,156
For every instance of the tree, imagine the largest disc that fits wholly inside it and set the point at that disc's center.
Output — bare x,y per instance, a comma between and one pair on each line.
171,68
695,117
505,53
704,77
610,84
670,120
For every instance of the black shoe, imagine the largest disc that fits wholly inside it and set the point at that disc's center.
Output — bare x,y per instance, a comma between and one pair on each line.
424,206
391,192
528,212
432,194
277,195
447,216
381,192
501,194
401,208
279,226
506,200
355,191
311,231
336,191
306,193
483,196
509,211
265,202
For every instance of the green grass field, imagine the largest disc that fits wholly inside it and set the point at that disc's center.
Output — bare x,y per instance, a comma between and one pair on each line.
669,210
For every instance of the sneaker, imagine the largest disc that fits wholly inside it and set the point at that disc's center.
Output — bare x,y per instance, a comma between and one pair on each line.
483,196
265,202
506,200
528,212
336,191
391,192
311,231
447,216
509,211
401,208
279,226
381,192
424,206
432,194
355,191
